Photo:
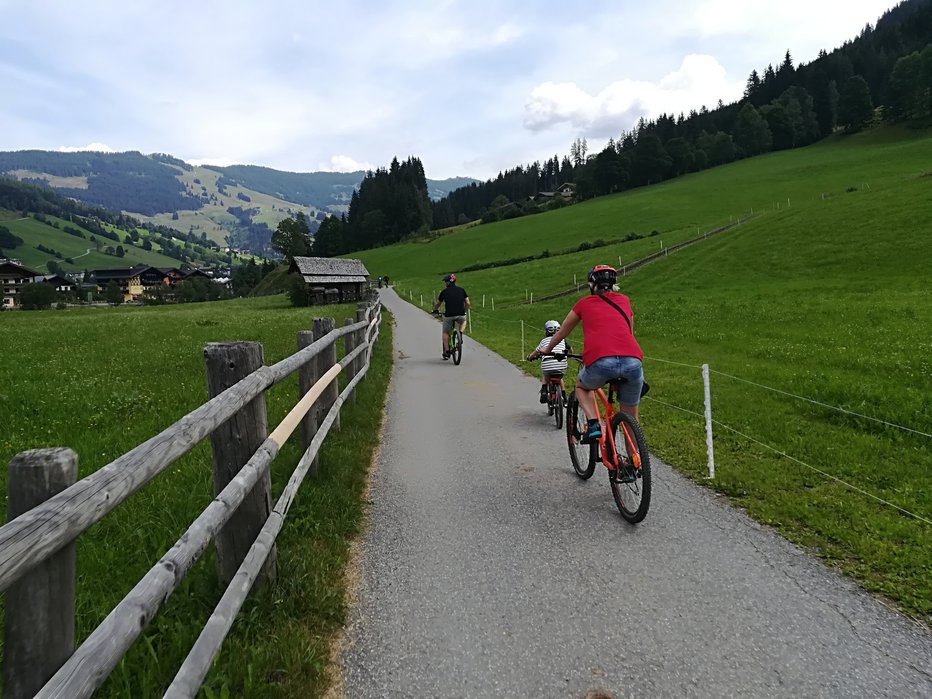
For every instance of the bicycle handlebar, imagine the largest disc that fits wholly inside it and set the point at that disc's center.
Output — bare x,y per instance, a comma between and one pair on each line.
562,355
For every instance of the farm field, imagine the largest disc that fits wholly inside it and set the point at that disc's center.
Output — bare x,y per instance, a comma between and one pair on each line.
103,380
813,314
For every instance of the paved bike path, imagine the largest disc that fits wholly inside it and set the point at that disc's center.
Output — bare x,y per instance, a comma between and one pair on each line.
489,570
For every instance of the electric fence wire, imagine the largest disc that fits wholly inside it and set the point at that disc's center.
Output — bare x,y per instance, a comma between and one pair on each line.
798,461
827,475
824,405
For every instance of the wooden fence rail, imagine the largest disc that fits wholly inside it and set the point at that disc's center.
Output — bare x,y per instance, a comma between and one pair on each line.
37,534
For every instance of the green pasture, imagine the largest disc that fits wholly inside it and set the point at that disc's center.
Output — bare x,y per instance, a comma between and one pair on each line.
104,380
823,296
81,250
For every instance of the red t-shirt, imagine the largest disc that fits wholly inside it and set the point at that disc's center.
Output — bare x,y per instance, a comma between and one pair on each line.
605,332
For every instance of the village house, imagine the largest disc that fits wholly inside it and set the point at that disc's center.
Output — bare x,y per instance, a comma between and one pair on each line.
62,284
331,279
567,190
13,277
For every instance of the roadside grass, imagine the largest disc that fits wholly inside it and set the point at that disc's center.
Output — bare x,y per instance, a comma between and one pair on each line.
828,299
102,381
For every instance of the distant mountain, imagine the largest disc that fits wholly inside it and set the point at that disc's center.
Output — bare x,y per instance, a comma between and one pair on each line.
238,205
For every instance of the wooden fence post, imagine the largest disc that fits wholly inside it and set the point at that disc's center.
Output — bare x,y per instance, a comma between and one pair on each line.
349,344
38,625
234,443
325,360
307,377
362,313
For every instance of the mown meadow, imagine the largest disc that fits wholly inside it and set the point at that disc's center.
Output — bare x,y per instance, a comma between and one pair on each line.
814,315
101,381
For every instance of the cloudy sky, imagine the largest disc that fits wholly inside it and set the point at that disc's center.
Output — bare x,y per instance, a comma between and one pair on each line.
471,87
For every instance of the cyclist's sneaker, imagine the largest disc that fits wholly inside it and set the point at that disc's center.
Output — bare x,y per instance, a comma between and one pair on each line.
592,434
625,472
446,355
543,395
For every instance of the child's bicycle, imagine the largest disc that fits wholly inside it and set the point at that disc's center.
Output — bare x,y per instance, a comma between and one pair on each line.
455,348
556,399
622,448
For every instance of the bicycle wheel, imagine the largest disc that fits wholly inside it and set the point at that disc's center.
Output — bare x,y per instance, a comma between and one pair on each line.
582,455
631,480
457,340
558,407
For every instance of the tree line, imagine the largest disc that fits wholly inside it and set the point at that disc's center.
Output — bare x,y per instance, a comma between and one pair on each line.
389,205
888,66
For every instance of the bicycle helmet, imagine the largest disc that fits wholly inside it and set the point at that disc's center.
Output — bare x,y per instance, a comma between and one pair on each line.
602,277
450,278
551,327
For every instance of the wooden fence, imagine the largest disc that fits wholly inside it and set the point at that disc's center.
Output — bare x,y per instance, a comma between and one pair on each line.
47,511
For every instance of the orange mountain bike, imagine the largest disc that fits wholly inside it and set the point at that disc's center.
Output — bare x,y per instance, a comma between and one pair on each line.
621,448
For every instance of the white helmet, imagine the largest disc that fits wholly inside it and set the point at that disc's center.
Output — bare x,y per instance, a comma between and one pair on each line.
551,327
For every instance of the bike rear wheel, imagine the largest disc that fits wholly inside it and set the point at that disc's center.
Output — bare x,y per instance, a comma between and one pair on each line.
456,339
582,455
558,407
631,480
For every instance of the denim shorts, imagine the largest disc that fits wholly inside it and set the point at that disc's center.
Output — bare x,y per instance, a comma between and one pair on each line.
606,369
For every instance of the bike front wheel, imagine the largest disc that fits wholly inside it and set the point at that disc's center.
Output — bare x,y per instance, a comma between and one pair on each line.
457,341
582,455
630,481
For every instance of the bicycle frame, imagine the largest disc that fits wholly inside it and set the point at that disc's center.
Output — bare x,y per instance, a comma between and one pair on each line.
607,438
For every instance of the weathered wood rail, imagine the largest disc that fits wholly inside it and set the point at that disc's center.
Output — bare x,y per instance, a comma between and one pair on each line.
48,511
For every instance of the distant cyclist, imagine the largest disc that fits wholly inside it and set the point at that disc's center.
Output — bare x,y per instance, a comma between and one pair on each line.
552,367
455,302
609,348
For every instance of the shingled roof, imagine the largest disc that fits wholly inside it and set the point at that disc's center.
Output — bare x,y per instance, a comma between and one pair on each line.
329,270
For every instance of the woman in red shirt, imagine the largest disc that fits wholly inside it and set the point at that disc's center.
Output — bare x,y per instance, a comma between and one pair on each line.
609,349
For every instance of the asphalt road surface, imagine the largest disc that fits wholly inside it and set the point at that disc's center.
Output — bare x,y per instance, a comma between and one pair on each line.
488,569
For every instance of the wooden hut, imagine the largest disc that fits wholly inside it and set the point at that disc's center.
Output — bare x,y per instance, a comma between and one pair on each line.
332,279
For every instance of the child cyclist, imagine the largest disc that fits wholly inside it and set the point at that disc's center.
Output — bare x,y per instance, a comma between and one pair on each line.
609,348
552,367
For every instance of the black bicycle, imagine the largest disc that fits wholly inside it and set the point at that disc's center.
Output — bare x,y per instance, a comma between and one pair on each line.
556,399
455,346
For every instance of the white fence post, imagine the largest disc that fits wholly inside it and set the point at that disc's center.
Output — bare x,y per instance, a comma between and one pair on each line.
469,316
708,419
523,354
483,300
493,303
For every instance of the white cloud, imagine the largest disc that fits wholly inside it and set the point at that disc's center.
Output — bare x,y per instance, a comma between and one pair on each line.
222,161
471,88
700,80
344,163
92,147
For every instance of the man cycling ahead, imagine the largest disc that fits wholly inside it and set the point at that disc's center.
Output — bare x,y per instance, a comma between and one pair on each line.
609,348
455,302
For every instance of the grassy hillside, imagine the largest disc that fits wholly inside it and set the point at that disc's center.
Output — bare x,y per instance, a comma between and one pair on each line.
213,218
82,251
823,294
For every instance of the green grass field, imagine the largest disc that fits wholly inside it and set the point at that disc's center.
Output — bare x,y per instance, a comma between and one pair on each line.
824,294
103,380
